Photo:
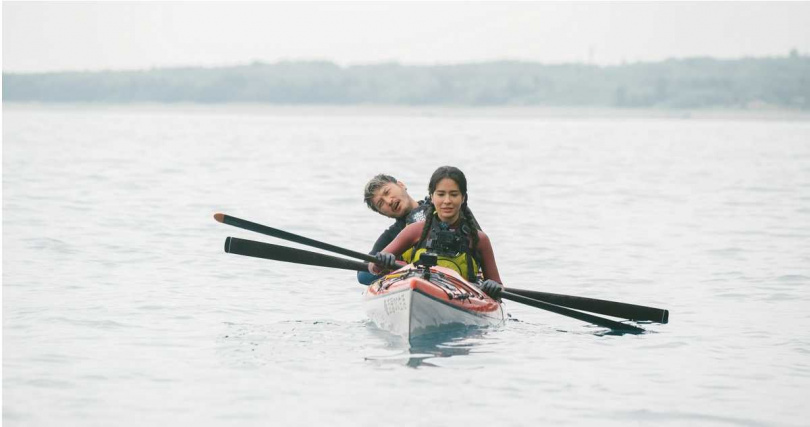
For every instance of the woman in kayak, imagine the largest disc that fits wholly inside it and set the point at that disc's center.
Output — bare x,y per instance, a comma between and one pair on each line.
450,231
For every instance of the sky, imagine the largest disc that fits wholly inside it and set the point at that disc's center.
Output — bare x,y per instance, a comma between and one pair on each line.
68,36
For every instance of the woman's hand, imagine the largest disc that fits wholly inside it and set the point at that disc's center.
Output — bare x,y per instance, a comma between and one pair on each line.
492,288
386,260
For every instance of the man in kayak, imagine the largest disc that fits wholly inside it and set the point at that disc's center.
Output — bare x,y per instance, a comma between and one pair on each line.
387,196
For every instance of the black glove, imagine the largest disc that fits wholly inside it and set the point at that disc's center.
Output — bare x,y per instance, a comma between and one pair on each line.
492,288
385,260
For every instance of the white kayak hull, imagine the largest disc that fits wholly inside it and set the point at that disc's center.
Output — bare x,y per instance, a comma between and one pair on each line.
414,307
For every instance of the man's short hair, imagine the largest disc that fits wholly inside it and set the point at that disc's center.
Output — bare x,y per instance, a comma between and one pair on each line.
373,185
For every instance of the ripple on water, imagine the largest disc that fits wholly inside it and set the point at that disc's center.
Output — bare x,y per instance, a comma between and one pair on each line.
793,278
293,341
50,244
103,324
677,417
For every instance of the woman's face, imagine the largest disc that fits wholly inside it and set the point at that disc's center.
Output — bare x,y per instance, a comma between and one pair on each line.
447,200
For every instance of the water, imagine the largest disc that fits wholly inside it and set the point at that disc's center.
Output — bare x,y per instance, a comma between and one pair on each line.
120,307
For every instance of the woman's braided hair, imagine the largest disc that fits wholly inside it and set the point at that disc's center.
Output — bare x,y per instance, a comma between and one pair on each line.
466,214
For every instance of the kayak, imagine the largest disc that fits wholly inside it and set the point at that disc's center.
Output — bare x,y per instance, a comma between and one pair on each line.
418,300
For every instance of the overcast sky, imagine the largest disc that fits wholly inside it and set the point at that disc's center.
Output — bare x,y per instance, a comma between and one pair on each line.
58,36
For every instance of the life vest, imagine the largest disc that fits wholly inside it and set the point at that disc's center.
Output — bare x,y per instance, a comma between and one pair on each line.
452,247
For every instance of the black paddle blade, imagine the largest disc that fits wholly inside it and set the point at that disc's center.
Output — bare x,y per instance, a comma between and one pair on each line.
263,250
608,308
585,317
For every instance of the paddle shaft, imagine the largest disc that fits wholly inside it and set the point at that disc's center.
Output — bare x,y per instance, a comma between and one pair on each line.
234,245
281,234
585,317
608,308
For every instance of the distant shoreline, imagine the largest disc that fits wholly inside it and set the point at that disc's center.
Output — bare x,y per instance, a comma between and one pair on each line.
704,84
505,112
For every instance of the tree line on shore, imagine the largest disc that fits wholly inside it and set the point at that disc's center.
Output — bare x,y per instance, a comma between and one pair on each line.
782,82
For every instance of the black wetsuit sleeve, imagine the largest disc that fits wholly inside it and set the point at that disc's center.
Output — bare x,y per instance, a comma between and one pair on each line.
386,237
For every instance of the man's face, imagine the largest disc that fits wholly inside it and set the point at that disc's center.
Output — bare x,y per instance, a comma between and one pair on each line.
392,200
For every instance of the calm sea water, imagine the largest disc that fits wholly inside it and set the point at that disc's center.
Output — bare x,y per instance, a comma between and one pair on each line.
120,307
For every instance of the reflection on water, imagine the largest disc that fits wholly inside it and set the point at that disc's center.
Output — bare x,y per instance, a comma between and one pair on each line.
463,340
448,342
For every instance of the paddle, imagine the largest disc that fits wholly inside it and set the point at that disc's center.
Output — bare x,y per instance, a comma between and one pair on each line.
299,256
281,234
608,308
234,245
585,317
